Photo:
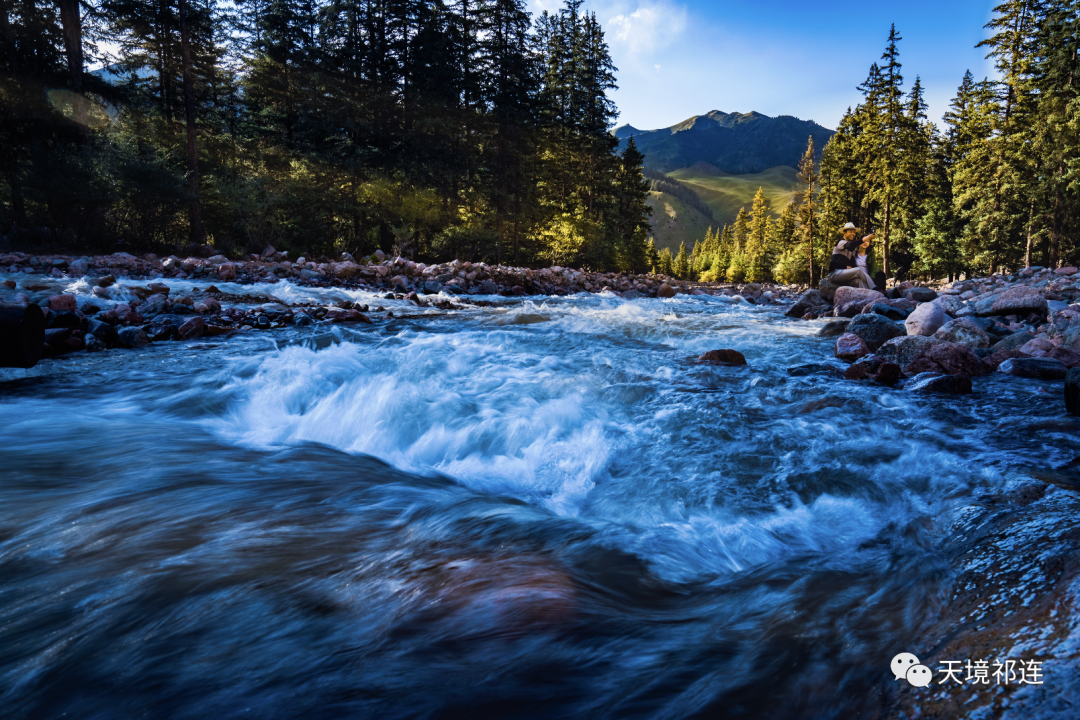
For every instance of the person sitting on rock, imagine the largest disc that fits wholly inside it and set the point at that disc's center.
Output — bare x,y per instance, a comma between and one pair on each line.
851,264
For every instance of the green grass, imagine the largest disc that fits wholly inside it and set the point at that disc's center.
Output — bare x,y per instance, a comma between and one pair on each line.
725,193
674,222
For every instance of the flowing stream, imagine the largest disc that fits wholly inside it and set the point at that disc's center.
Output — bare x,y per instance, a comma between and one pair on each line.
542,508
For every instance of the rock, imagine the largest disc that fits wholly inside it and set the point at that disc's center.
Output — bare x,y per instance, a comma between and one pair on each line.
722,357
346,269
54,336
665,291
217,260
62,303
488,287
340,316
227,272
64,320
103,331
1036,368
906,349
874,329
1072,391
1013,342
873,367
944,384
845,295
827,289
1068,358
833,328
893,313
949,303
268,252
193,328
154,305
965,332
1019,300
105,281
949,359
926,319
633,294
132,337
851,347
399,282
920,294
160,332
312,275
1066,271
1053,306
93,343
1036,347
78,267
433,287
995,359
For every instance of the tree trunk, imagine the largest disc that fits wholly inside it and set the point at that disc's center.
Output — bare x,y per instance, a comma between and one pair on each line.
71,20
885,239
189,112
1031,220
9,38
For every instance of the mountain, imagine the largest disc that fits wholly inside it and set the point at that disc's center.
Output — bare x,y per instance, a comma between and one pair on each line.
673,222
735,143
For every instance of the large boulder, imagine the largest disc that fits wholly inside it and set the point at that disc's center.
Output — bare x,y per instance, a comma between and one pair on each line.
943,384
1036,368
665,291
345,270
827,288
874,329
965,332
847,295
1068,358
880,308
926,319
808,300
948,359
906,349
1020,300
983,305
722,357
851,347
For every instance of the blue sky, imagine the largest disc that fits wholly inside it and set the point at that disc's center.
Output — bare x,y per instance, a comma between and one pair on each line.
779,57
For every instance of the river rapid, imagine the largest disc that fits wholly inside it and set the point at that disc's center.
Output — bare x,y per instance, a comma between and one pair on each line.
542,508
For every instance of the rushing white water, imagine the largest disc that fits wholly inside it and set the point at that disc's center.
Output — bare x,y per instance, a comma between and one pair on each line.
564,482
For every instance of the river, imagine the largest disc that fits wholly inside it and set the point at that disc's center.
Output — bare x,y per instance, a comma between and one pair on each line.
541,509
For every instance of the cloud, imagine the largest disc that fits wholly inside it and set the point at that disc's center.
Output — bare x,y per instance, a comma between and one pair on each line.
649,27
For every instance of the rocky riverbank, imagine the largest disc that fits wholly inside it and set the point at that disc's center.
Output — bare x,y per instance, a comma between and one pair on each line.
1025,324
121,300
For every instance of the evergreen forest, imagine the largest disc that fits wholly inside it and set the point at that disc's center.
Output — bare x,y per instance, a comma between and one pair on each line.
434,129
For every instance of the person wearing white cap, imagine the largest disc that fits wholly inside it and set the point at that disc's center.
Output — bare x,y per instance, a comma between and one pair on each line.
851,264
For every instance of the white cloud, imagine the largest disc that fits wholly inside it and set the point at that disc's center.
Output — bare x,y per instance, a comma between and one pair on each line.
657,69
649,27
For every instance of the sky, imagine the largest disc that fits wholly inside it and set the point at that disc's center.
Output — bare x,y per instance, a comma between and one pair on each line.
781,57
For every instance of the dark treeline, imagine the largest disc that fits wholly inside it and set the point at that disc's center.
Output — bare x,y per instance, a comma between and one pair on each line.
660,182
998,188
435,128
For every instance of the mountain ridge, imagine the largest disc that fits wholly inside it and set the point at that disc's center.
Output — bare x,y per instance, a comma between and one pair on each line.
735,143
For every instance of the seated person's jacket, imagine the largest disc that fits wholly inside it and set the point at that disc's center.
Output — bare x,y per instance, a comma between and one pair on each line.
843,255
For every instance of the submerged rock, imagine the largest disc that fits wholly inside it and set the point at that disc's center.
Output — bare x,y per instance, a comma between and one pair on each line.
722,357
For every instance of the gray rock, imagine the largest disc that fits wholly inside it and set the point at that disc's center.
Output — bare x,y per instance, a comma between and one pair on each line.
132,337
920,294
827,289
907,349
834,328
1014,341
1037,368
893,313
809,299
488,287
432,287
1019,301
1053,306
925,319
93,344
874,329
312,275
942,384
965,332
949,303
103,331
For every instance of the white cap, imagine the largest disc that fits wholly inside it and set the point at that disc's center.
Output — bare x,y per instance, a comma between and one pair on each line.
849,226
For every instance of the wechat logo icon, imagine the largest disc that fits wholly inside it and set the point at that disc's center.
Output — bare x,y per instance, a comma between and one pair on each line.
906,666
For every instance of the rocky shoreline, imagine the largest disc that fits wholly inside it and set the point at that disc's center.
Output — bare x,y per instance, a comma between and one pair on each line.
136,314
1026,324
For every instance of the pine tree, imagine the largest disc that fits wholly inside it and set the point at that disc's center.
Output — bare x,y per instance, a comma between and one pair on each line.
681,265
757,249
807,215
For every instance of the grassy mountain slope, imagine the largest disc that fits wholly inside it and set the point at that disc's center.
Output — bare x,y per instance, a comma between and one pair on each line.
673,222
726,193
